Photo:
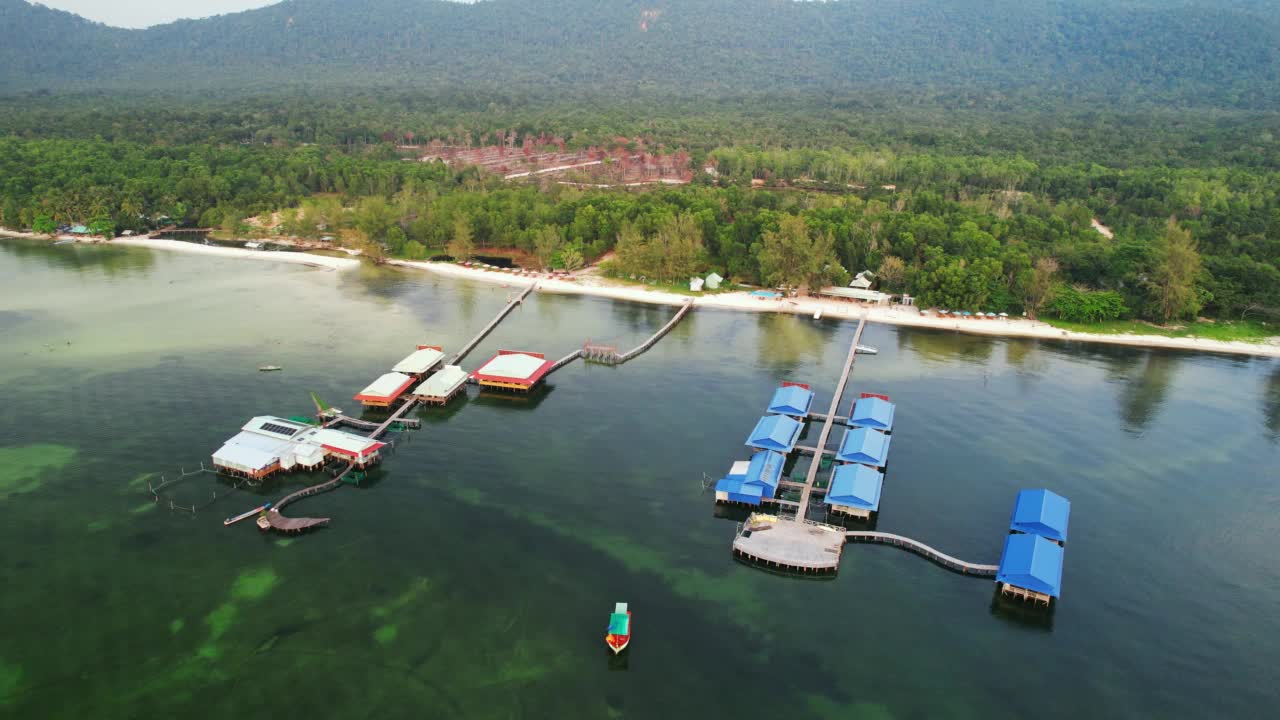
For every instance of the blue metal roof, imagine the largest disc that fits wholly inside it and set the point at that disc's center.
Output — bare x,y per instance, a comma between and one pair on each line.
855,486
864,445
1031,562
775,432
791,400
766,469
1041,512
739,491
872,412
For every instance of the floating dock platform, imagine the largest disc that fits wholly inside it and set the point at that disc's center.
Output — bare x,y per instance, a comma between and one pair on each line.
805,547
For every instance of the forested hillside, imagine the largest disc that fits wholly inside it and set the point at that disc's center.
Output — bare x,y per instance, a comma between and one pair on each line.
1188,52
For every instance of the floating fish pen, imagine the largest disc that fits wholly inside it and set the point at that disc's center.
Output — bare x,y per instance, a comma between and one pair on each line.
441,387
385,391
1031,563
513,370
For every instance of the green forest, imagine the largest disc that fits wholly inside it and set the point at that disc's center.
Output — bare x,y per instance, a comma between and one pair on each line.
1084,160
934,214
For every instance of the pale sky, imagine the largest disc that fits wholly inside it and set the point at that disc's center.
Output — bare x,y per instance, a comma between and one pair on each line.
143,13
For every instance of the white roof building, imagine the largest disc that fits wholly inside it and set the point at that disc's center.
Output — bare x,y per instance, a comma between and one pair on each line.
443,384
420,362
861,295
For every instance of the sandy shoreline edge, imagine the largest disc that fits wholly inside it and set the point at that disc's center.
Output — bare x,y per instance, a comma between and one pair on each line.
740,301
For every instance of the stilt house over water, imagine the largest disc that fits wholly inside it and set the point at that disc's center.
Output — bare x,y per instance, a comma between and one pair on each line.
775,432
267,444
1041,512
854,491
386,390
865,446
421,362
513,370
792,399
441,387
1030,569
872,411
752,481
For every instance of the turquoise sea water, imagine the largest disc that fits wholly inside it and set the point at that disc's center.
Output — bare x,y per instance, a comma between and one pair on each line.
472,575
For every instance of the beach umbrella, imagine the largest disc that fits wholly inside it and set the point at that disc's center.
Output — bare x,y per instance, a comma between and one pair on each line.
1004,315
991,314
967,313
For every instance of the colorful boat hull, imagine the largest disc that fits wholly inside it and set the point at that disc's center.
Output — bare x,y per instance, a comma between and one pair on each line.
618,634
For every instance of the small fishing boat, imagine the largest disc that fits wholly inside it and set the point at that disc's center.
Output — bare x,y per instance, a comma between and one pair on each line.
263,522
619,634
269,368
245,515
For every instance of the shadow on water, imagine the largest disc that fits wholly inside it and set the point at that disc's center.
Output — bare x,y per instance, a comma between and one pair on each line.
1142,394
787,342
1271,404
514,400
944,346
1017,612
111,261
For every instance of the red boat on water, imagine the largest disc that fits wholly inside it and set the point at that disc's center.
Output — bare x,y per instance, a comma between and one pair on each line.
619,634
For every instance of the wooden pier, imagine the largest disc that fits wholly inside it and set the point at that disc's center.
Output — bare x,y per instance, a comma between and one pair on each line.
466,349
279,522
928,553
609,355
829,421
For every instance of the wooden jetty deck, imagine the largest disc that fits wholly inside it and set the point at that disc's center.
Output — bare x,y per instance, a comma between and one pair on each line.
366,424
915,546
829,421
396,417
484,332
789,545
609,355
282,523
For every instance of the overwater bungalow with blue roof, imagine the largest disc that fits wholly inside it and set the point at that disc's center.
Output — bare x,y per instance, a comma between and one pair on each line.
775,432
752,481
865,446
1041,512
1030,568
870,411
792,399
854,490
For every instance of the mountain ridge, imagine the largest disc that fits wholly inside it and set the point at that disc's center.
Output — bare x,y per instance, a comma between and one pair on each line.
1183,52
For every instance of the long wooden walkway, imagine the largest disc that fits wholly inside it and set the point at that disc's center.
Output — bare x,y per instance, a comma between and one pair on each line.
396,416
821,444
288,524
466,349
613,357
915,546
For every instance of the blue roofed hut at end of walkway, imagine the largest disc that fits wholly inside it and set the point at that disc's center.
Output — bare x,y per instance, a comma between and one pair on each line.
750,481
792,399
775,432
1030,569
872,411
854,491
865,446
1041,512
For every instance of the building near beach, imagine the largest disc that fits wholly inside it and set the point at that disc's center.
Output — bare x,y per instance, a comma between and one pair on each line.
513,370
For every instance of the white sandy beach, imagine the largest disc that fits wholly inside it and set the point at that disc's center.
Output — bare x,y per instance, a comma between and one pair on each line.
744,301
587,284
299,258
